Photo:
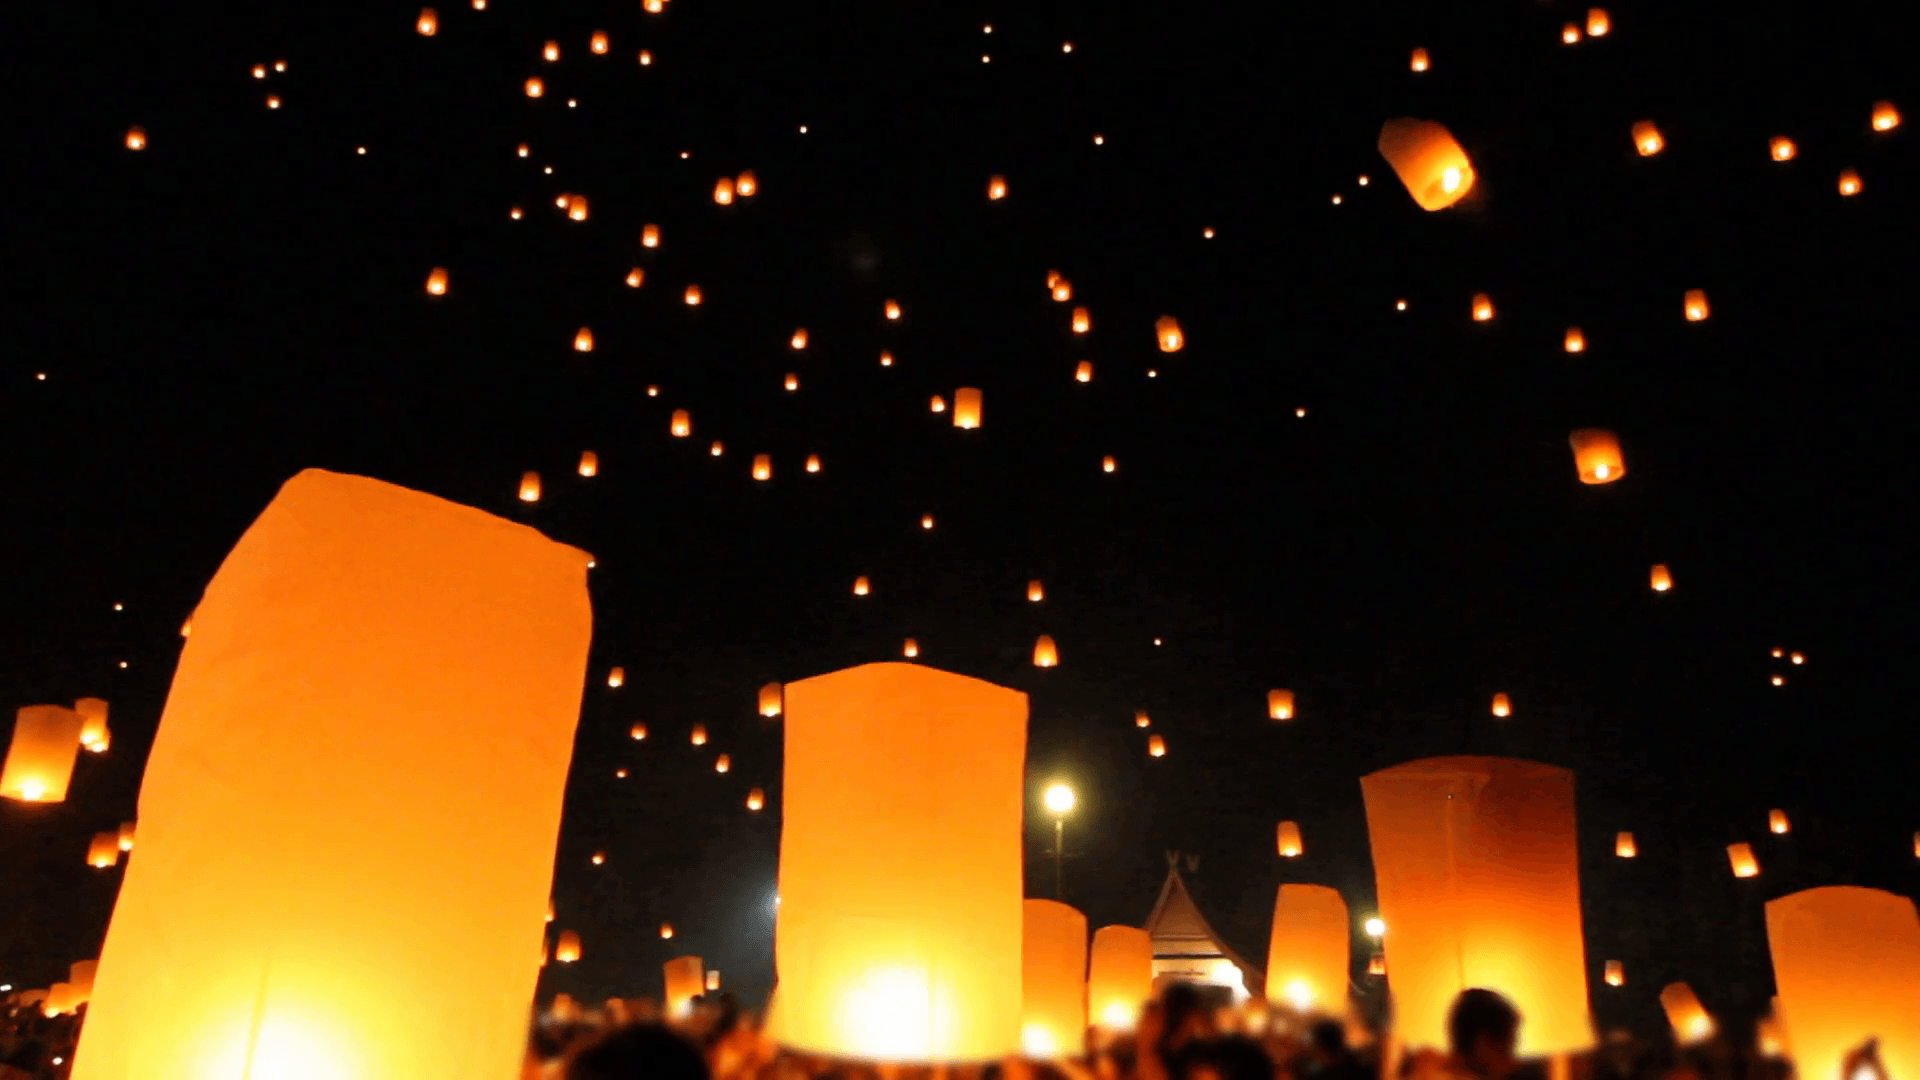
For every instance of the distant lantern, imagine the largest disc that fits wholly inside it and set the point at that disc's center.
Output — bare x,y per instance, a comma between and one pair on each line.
813,463
1885,116
649,236
1647,139
1107,464
756,799
535,87
1782,148
1428,161
646,58
1696,307
792,382
892,310
996,187
1167,330
911,649
127,830
860,586
698,736
1279,704
1036,591
93,724
599,858
1419,61
617,678
530,487
589,463
966,407
136,138
1798,658
639,733
718,448
1777,822
1660,578
762,467
1062,289
522,150
515,213
926,521
799,339
770,699
1502,706
104,850
1083,371
567,950
577,207
598,43
1287,840
1482,307
938,404
1044,652
685,978
1082,320
1779,680
1141,719
1849,182
437,282
693,296
583,341
746,184
1623,845
682,424
1570,34
636,277
1616,973
886,358
722,763
1741,857
428,24
1156,746
1596,455
1690,1020
1576,341
1597,22
273,101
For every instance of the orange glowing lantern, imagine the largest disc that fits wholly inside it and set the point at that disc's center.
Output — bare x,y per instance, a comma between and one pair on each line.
1107,464
1570,34
104,850
599,858
1597,22
567,949
682,424
1044,653
966,407
1847,963
746,184
1280,704
1696,305
1309,950
1377,964
1141,719
550,52
718,448
756,799
1053,980
1576,341
515,213
860,586
1036,592
892,311
1167,330
1287,842
799,339
1477,866
1616,973
1482,307
1428,161
1119,977
698,736
577,207
1156,746
1660,578
583,341
886,358
276,928
1646,138
428,24
1885,116
616,678
437,282
1744,864
94,735
530,487
535,87
589,463
938,404
1690,1020
1083,372
649,236
127,830
639,732
792,382
598,43
1777,823
926,521
136,138
1419,61
1623,845
770,699
1502,706
762,467
996,187
685,981
1849,182
1082,321
1782,148
898,934
911,649
1596,456
722,763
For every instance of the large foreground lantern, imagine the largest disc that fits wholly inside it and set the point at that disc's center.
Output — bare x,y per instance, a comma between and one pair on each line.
1119,977
1477,869
1053,980
1847,962
685,979
1596,456
1308,956
1427,160
899,929
304,808
46,739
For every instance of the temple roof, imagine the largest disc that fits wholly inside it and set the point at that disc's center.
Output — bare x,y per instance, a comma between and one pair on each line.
1178,929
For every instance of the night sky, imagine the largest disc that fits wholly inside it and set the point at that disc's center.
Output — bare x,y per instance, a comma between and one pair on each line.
244,298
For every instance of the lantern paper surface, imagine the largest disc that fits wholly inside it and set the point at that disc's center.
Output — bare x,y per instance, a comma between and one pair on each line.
46,739
93,723
1053,980
685,980
1309,953
1044,652
1616,974
1596,456
1119,977
770,699
1167,330
1660,578
1427,160
566,950
1741,857
1847,962
899,927
1287,840
966,407
1777,822
304,809
104,851
1623,845
1690,1020
1477,869
1280,704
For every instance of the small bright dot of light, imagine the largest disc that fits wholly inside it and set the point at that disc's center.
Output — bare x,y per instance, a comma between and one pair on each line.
1376,926
1336,200
985,59
1363,181
548,170
1066,46
684,155
803,129
1156,641
987,29
1152,374
119,607
1099,140
123,665
573,103
360,150
1603,471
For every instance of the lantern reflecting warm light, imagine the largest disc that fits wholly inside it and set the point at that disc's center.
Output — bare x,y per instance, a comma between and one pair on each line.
1156,746
1167,330
598,43
1696,305
1597,22
616,678
649,236
756,799
639,732
685,978
1616,973
136,138
1419,60
1741,857
1782,148
698,736
1107,464
1309,951
93,724
898,933
288,920
762,467
1660,578
997,187
1428,161
1623,845
1082,320
911,649
886,358
1570,34
535,87
892,310
799,339
770,699
1777,823
1482,307
1476,861
718,448
1847,963
1596,456
1885,116
583,341
1036,592
1053,980
428,24
1083,372
589,463
682,424
1690,1020
1280,704
966,407
437,282
1576,341
792,382
746,184
860,586
1287,842
127,829
1849,182
1062,289
723,191
1141,719
530,487
1044,653
550,52
722,763
1502,706
1647,139
104,850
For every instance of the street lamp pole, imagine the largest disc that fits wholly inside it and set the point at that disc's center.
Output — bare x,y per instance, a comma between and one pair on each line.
1059,832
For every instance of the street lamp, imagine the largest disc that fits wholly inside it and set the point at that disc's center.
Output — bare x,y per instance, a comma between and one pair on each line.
1376,928
1059,801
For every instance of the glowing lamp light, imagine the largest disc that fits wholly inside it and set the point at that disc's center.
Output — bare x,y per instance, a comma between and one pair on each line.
1062,290
1777,823
1623,845
1616,973
1287,842
1742,859
892,311
1781,148
1779,680
94,736
681,425
886,358
599,858
127,829
1044,652
598,44
771,699
1660,578
1570,34
1597,22
1798,658
428,24
589,463
762,467
1419,61
535,88
1696,305
1167,330
938,404
136,138
756,799
649,236
1156,746
746,184
1482,307
698,736
1596,456
966,407
437,282
567,949
1376,927
722,763
718,448
1428,161
1279,704
996,187
1083,372
104,850
1647,139
616,678
1885,116
1575,341
1141,719
530,487
583,341
926,521
911,649
799,339
792,382
1502,706
1082,320
1107,464
1849,182
1377,964
685,978
1690,1020
860,586
1058,799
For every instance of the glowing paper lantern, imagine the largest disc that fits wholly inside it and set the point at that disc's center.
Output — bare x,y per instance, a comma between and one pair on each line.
1660,578
589,463
1280,704
1847,963
1053,979
1741,857
104,850
685,980
598,43
530,487
693,296
1419,60
428,24
1502,706
756,799
1646,138
649,236
1696,306
1044,653
938,404
1036,592
1570,34
636,277
437,282
682,424
1576,341
136,138
1119,977
911,649
1596,456
1428,161
1623,845
551,52
1156,746
1482,307
1616,974
1287,840
46,739
762,467
813,463
93,724
535,87
583,341
285,911
1885,117
1781,148
1082,321
860,586
723,763
745,184
1309,952
81,975
1141,719
617,678
59,1000
893,310
1849,182
898,935
799,339
1167,330
127,830
966,408
577,207
1690,1019
1377,964
567,949
718,448
1777,822
996,187
770,699
1477,867
1597,22
639,732
1107,464
1062,289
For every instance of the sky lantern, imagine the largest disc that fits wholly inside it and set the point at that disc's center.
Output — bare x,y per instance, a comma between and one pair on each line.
682,424
722,763
926,521
535,87
966,407
1660,578
583,341
1777,823
273,101
567,949
1616,973
1082,320
1647,139
1053,980
1597,22
598,43
94,735
1044,653
1280,704
616,678
1847,963
1083,371
1623,845
1419,61
104,850
792,382
437,281
1107,464
589,463
1576,341
1476,862
799,339
550,52
1742,860
1036,591
1428,161
1781,148
1596,456
1141,719
698,736
1885,116
860,586
1167,330
1696,305
1482,307
46,740
1502,706
1156,746
530,487
718,448
1690,1020
693,296
770,699
576,207
1287,840
911,649
302,926
756,799
1062,289
428,24
892,310
762,467
136,138
1570,34
1119,977
685,980
886,358
639,732
515,213
1309,952
127,830
1849,182
996,187
898,935
746,184
649,236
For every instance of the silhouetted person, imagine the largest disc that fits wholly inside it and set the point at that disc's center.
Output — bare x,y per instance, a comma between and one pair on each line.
1483,1028
1234,1057
1186,1020
1328,1056
647,1051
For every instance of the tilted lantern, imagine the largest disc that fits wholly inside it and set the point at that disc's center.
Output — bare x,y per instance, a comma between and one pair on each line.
1690,1020
1742,859
1596,456
1647,138
1428,161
